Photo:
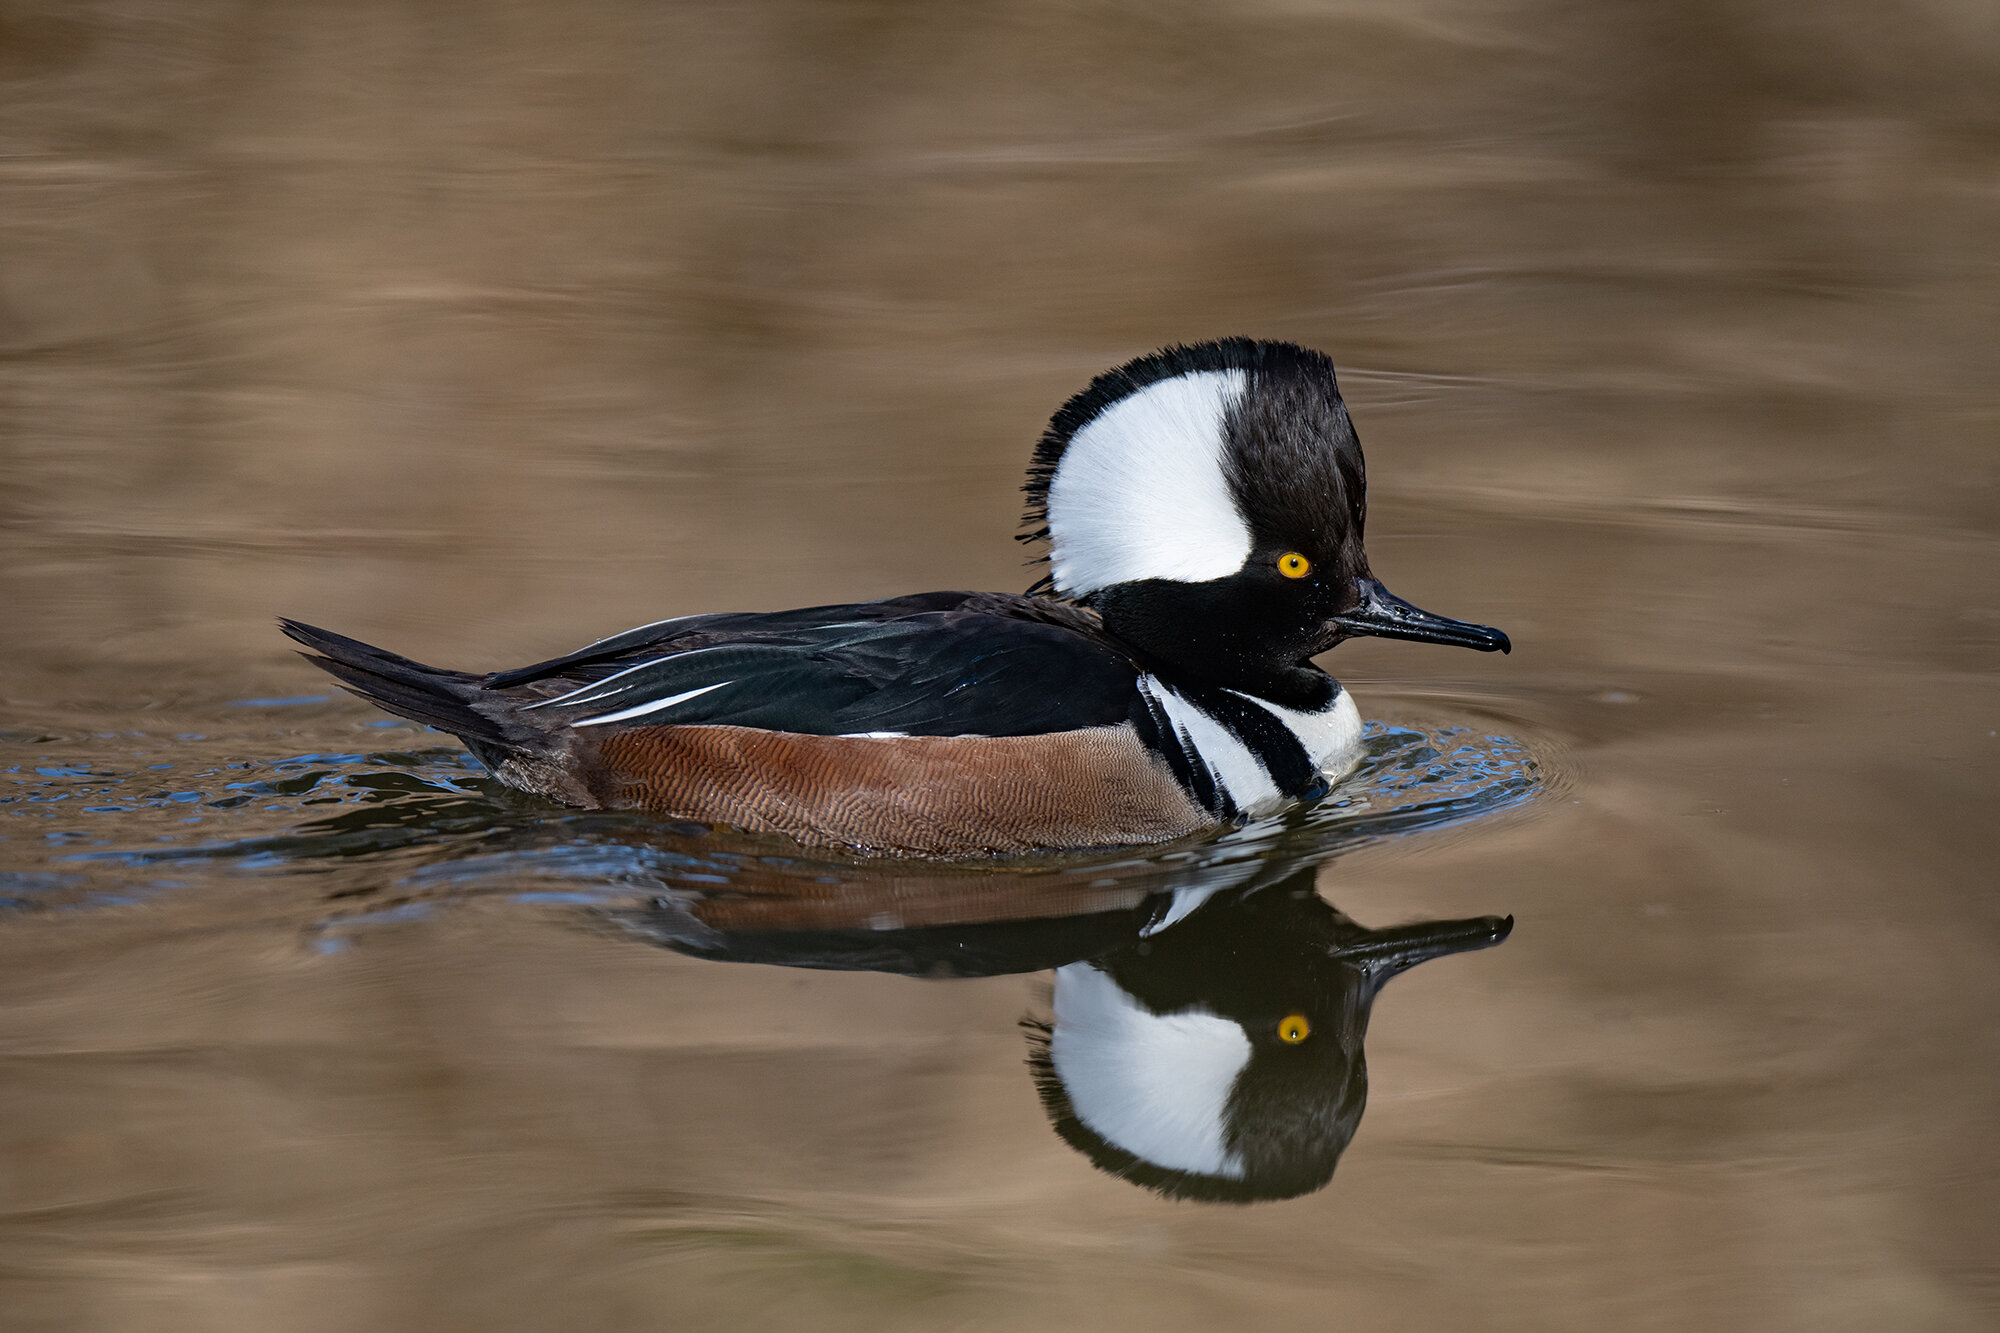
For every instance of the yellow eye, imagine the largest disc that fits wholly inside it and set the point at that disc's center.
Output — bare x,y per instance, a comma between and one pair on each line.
1293,1029
1294,566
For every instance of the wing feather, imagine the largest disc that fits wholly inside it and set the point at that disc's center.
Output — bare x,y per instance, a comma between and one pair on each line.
908,667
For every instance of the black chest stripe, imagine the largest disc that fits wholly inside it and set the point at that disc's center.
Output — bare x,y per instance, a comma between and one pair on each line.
1159,734
1280,751
1276,746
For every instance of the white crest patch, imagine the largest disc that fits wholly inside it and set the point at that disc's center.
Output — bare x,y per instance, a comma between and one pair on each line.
1156,1085
1141,493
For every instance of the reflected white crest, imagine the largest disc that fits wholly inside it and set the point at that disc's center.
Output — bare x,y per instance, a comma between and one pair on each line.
1156,1085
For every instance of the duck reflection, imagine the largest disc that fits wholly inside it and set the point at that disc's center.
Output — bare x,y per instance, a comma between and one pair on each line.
1220,1057
1204,1043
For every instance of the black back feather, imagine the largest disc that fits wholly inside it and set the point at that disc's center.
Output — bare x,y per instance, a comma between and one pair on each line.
431,695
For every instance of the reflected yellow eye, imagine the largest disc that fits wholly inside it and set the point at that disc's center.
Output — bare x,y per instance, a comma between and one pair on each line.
1293,1029
1294,566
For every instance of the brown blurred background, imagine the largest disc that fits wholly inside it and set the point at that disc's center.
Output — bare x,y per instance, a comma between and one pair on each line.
483,329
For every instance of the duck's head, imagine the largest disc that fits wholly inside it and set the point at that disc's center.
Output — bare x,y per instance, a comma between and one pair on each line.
1209,502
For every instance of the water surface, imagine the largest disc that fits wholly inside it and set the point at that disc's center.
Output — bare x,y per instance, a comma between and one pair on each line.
1668,333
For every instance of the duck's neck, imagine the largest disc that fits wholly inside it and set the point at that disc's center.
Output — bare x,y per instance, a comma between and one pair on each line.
1299,686
1302,687
1216,635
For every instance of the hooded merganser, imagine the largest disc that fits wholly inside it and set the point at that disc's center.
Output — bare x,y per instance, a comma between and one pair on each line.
1203,508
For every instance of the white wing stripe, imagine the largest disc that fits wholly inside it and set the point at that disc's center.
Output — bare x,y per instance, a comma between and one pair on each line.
640,710
652,624
596,690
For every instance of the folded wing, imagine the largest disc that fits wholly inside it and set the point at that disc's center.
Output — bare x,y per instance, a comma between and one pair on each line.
936,665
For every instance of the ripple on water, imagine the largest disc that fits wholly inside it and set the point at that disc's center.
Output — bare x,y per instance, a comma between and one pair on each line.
112,818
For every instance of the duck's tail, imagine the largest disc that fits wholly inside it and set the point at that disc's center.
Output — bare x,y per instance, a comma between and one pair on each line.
427,694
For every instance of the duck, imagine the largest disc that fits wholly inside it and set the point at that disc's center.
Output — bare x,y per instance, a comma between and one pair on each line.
1200,510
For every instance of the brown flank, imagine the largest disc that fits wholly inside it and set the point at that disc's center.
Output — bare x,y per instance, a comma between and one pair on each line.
929,795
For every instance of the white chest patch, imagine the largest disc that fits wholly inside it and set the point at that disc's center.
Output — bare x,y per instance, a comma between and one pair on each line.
1235,767
1141,492
1156,1085
1331,738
